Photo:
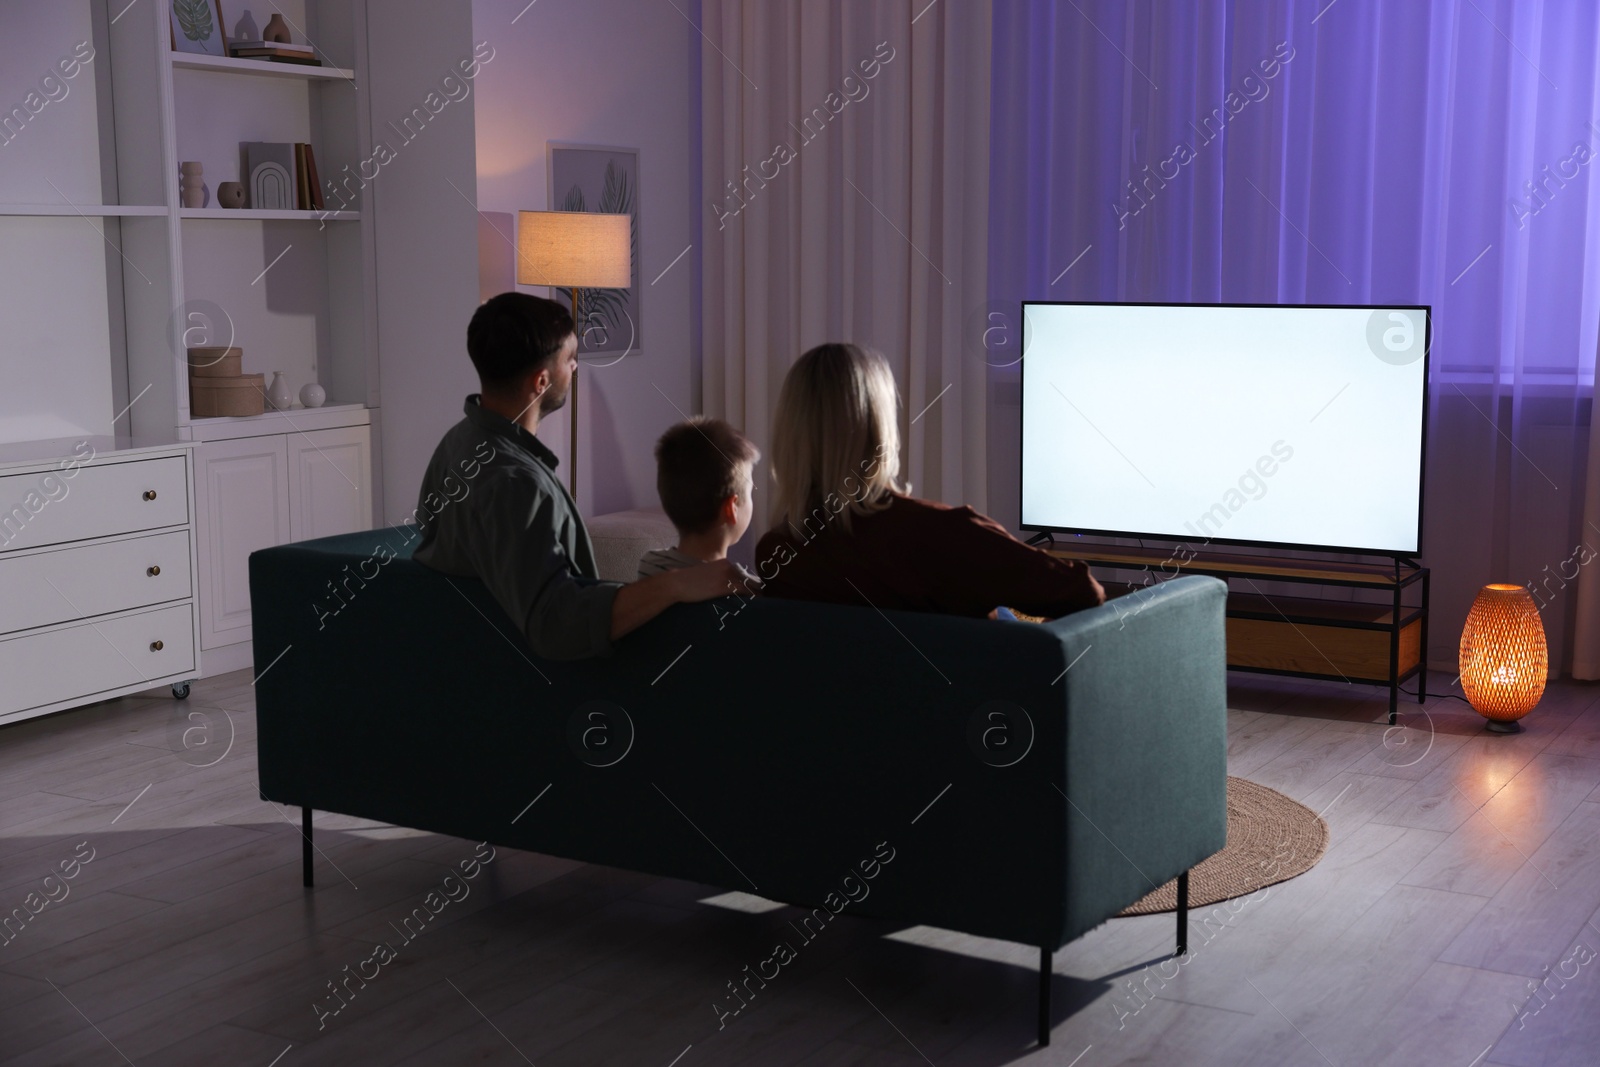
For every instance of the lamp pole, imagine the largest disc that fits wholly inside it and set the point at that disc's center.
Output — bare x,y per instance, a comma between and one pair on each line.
572,408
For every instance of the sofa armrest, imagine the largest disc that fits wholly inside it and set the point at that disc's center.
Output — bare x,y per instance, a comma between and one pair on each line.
1145,783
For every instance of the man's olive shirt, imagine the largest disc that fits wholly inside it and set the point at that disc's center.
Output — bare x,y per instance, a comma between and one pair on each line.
492,508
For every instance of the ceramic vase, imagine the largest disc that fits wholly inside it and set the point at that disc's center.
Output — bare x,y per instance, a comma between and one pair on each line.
312,395
277,30
190,186
230,194
278,396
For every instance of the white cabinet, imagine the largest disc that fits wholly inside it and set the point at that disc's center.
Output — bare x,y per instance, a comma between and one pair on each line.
256,492
243,496
330,482
97,561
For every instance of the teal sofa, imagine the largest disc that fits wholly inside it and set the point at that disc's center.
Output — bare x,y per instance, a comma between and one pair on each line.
1027,781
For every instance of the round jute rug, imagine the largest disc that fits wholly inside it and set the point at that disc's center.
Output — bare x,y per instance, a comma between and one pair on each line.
1271,838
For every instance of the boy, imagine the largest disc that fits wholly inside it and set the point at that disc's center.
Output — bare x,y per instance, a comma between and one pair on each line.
703,476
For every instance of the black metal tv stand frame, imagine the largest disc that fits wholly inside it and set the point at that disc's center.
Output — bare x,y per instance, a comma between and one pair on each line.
1373,642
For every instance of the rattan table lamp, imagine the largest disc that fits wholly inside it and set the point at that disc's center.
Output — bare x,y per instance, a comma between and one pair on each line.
1504,660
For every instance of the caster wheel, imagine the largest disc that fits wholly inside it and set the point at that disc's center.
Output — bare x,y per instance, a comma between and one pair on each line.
180,690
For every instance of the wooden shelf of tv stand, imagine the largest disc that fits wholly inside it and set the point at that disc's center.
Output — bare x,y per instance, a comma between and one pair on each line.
1230,565
1382,643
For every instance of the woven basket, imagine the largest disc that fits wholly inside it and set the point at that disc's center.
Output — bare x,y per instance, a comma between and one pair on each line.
216,362
211,398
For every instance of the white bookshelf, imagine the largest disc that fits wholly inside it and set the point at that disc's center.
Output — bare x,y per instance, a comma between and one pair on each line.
90,206
102,270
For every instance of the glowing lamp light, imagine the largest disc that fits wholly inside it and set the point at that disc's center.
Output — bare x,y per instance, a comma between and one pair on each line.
574,250
1504,660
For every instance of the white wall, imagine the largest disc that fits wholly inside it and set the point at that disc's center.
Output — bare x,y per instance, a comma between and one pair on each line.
55,332
610,72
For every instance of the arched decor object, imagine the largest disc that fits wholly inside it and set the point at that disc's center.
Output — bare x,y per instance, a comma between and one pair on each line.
270,187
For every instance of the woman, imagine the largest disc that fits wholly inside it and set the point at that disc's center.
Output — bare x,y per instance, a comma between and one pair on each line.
844,531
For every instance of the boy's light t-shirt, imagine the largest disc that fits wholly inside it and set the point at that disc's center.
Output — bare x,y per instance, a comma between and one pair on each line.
661,560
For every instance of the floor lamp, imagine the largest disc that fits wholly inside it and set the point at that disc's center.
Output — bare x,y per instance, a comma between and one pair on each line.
574,250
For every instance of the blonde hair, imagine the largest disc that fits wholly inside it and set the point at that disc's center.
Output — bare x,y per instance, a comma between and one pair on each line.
835,438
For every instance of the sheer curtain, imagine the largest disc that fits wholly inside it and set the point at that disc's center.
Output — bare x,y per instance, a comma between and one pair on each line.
845,169
1433,151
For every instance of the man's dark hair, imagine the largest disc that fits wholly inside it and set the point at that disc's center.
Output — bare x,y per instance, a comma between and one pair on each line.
514,334
697,466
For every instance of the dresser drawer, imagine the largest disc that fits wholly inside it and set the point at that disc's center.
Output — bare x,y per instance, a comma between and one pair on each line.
88,580
96,501
93,658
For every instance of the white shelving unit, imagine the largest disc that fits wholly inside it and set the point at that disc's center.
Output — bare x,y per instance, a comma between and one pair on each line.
90,212
105,277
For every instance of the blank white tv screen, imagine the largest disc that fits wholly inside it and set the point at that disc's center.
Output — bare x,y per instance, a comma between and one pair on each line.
1291,425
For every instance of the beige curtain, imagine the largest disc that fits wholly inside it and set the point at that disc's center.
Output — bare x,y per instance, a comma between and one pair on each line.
846,154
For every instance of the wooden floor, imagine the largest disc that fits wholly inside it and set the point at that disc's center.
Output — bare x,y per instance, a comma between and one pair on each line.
1462,868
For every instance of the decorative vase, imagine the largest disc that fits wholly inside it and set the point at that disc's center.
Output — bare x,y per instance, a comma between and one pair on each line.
312,395
230,194
191,188
245,31
278,396
277,30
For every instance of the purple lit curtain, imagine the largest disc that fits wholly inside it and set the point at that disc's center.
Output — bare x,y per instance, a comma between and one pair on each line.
1353,151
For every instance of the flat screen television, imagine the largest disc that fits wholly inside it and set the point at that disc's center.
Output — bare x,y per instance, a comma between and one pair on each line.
1300,426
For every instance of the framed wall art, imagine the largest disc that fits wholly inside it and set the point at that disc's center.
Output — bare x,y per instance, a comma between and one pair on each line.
604,179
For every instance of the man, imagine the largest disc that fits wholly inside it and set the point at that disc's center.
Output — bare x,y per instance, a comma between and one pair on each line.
493,508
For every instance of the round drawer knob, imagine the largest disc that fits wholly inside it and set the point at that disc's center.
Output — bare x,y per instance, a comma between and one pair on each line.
149,494
156,646
153,571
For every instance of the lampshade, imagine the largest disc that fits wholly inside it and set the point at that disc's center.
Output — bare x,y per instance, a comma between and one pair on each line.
574,249
1504,661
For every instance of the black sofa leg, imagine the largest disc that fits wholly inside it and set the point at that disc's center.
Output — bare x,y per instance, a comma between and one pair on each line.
1183,913
1045,956
305,845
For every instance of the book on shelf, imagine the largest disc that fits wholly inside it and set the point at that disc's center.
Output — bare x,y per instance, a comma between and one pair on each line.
302,195
293,61
314,182
307,191
275,46
277,53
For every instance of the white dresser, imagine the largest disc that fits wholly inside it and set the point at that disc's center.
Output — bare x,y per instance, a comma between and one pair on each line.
97,571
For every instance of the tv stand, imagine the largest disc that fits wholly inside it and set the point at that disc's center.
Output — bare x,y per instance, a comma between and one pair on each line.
1380,643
